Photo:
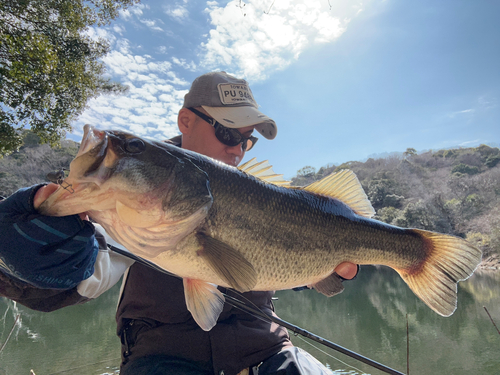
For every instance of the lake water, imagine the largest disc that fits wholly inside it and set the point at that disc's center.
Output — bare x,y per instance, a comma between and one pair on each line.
369,317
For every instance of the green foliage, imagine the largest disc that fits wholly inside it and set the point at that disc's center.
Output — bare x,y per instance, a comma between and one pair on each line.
305,176
49,66
424,216
307,171
480,240
492,160
388,214
381,193
462,169
486,151
409,152
449,153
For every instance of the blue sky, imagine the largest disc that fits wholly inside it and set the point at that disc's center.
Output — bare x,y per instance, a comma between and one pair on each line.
343,82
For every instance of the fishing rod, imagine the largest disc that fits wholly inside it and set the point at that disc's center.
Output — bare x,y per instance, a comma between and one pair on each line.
261,315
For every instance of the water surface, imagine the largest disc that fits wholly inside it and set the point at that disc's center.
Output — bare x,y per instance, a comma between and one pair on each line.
369,317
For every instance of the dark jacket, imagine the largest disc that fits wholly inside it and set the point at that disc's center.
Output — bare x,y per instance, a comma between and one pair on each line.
153,319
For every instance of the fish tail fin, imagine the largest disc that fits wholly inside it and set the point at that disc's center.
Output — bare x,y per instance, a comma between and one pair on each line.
450,259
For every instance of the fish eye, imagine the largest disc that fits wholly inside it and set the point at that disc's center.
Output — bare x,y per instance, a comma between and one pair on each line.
134,145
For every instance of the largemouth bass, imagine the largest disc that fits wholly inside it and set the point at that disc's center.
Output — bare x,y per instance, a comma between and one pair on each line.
210,223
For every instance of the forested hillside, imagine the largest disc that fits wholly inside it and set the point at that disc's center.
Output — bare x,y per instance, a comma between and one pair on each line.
32,162
454,191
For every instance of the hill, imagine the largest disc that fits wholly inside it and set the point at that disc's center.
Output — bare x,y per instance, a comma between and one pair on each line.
32,162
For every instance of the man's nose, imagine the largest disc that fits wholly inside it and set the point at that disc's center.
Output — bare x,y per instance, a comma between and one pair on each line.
236,150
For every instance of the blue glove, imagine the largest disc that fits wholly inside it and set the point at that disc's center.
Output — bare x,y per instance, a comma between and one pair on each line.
44,251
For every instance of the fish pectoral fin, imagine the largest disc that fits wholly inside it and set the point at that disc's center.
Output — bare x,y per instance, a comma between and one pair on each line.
330,286
450,260
227,263
204,301
344,186
138,218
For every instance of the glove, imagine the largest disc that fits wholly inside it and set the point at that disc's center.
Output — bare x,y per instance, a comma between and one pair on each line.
44,251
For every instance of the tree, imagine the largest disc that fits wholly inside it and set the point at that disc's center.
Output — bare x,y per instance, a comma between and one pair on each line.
49,66
409,152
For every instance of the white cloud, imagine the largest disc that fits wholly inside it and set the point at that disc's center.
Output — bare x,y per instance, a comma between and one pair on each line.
182,62
150,106
151,24
100,33
136,10
177,12
487,102
118,29
259,38
470,143
463,112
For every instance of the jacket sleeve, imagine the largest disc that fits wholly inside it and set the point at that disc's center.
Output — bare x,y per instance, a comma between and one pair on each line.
108,269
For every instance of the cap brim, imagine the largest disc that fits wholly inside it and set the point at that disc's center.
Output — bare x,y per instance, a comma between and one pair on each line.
242,116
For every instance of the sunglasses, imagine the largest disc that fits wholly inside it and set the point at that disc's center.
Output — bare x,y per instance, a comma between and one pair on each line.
229,137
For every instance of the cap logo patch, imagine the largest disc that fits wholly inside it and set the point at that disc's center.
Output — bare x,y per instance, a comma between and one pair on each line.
230,93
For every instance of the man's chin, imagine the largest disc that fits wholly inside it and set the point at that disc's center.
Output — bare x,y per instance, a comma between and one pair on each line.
232,161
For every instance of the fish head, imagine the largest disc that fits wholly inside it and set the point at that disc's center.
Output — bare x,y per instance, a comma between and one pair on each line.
141,182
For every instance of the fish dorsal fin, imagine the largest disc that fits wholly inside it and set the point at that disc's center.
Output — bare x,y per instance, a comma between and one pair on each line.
263,171
344,186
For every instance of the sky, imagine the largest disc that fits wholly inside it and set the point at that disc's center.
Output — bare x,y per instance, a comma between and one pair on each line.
344,80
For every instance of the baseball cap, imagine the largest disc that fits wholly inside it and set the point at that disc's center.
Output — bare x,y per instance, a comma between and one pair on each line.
229,100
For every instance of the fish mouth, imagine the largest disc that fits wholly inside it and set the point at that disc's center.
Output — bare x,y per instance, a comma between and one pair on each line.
91,153
91,138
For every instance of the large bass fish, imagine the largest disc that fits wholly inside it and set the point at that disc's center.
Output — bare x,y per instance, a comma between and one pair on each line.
210,223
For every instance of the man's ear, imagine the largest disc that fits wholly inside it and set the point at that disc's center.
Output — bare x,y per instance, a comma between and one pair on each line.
185,121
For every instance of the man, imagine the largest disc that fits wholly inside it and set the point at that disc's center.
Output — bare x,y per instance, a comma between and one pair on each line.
157,332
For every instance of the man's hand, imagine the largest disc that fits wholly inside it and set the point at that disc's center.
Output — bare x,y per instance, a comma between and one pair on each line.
45,251
44,192
347,270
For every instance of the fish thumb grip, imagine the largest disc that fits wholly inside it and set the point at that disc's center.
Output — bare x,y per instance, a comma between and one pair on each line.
450,259
256,312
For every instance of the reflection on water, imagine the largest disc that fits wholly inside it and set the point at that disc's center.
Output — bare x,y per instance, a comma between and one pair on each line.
368,318
74,340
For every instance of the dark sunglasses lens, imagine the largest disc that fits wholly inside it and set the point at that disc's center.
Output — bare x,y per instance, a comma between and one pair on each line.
232,137
227,136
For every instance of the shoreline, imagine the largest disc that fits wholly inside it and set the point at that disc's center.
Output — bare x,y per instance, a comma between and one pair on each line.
491,263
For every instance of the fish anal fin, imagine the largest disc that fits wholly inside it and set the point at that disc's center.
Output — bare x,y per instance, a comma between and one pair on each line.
450,260
330,286
204,301
229,264
138,218
344,186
